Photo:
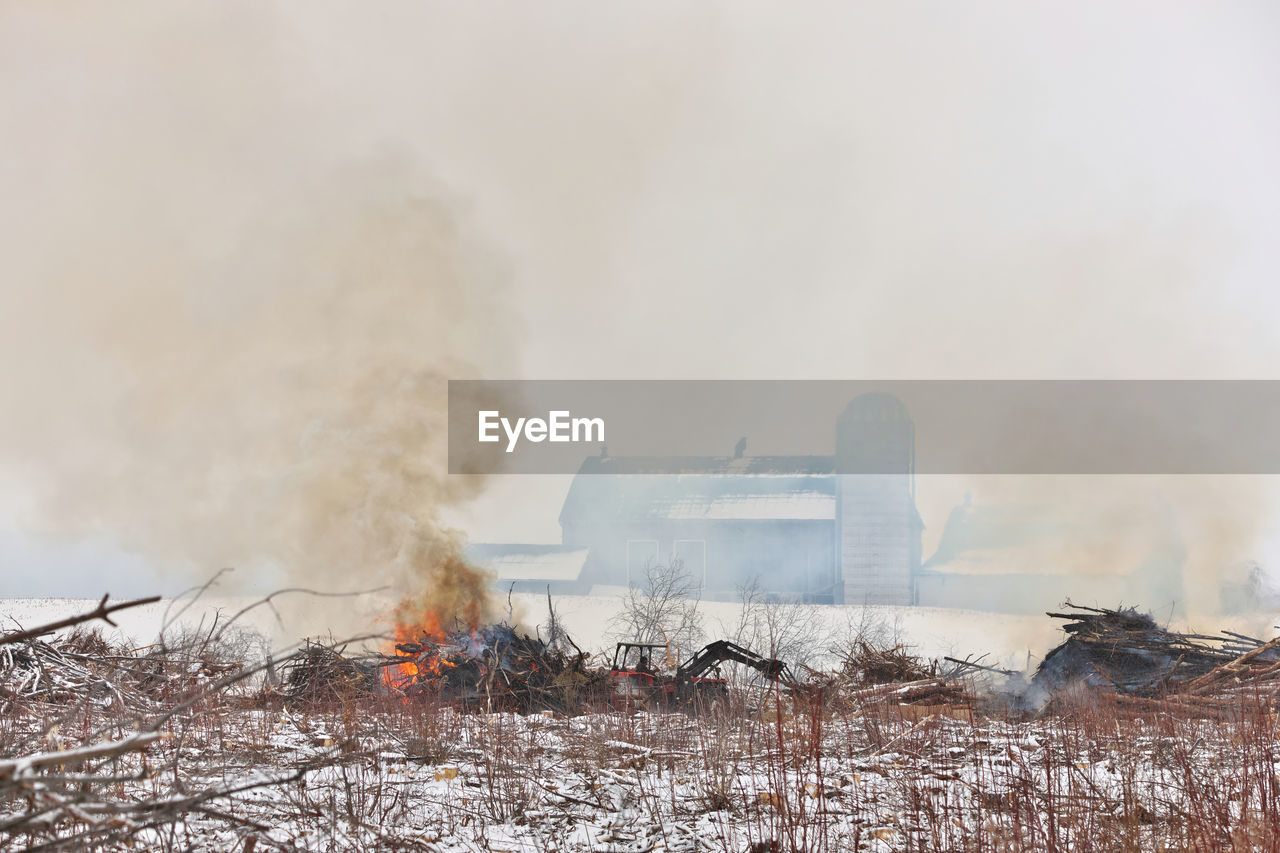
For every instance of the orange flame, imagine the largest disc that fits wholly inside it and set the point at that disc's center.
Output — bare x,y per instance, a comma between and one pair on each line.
455,599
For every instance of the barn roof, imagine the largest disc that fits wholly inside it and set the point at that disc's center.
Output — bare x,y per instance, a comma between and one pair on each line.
529,562
718,466
710,487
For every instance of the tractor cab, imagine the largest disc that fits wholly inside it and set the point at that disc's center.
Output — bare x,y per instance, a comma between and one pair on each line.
638,657
635,670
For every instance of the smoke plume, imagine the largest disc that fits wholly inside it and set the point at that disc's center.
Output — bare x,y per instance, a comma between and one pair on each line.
224,341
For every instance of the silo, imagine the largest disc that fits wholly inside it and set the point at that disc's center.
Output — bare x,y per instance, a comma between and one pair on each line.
878,528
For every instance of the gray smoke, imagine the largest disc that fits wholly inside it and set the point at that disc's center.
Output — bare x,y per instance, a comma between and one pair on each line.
224,339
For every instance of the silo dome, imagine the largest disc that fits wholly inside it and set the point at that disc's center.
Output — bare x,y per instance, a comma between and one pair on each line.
875,406
875,435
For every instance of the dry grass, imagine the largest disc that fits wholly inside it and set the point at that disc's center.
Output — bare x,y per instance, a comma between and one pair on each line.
240,768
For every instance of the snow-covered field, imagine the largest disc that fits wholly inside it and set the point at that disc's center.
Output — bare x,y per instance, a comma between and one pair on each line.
786,781
763,776
240,768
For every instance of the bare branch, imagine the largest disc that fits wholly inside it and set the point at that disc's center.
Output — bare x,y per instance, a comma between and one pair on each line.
13,768
102,611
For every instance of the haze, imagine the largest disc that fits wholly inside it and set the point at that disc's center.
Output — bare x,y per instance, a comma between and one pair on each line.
640,190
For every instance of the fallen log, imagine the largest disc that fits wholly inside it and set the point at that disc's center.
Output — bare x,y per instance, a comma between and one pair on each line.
1235,667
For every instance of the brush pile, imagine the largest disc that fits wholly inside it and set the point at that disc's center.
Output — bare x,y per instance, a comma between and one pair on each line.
69,668
865,664
82,665
893,675
317,673
1125,652
494,667
107,746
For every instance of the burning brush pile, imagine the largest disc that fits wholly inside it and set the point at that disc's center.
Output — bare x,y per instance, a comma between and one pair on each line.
449,646
494,666
491,667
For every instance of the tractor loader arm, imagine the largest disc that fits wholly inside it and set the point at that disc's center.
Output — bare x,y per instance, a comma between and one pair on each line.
723,650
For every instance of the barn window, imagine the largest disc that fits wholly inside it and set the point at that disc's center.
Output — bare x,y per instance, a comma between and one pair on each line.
692,553
642,554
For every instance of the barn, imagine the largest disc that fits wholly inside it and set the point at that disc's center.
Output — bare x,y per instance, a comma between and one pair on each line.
820,529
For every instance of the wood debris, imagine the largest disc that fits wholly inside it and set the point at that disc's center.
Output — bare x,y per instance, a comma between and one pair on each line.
1125,652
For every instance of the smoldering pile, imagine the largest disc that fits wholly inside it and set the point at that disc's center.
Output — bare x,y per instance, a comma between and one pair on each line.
1124,652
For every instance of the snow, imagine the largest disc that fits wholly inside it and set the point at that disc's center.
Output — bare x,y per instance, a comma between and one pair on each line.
140,624
554,566
672,782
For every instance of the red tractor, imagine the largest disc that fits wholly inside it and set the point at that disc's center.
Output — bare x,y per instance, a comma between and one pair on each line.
636,679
